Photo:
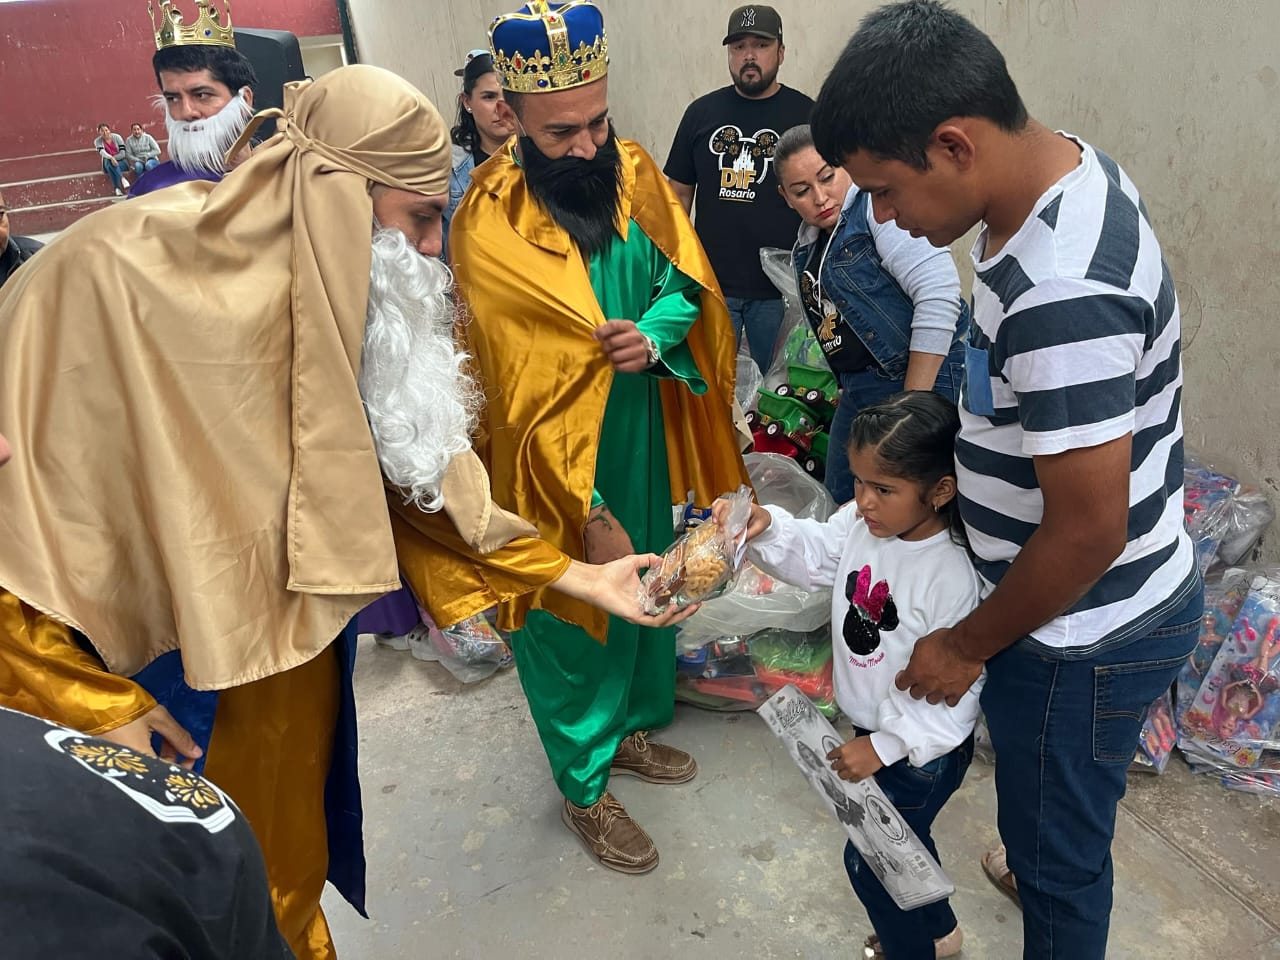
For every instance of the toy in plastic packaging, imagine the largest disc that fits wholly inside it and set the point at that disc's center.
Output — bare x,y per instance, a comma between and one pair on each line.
702,563
1237,709
1222,601
1225,516
1264,780
471,650
1158,737
886,842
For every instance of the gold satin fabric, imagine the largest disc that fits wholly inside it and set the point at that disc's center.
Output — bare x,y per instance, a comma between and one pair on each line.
547,380
270,750
192,463
45,673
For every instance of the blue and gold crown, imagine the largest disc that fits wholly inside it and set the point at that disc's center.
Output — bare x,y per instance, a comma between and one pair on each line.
552,46
172,32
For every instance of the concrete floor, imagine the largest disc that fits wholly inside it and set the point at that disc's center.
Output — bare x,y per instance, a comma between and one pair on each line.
468,858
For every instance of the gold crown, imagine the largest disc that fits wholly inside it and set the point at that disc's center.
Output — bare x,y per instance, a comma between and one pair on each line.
172,32
562,66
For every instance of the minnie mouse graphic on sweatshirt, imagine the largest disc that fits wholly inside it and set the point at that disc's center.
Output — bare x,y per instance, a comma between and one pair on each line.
887,593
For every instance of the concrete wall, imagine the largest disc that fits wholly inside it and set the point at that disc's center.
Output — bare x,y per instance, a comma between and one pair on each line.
1185,96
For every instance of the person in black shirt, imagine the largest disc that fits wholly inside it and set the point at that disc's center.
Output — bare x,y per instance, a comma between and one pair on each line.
109,853
721,168
14,251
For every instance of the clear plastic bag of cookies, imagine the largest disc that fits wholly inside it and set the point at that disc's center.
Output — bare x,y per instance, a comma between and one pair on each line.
703,562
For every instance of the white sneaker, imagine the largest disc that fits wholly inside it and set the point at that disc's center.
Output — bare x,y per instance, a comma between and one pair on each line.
125,181
119,192
391,642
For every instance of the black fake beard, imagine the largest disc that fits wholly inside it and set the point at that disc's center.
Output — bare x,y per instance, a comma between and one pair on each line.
582,196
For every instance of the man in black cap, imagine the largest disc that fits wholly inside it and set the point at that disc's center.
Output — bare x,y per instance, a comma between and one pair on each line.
722,161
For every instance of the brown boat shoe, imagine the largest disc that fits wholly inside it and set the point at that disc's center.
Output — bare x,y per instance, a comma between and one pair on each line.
654,762
611,836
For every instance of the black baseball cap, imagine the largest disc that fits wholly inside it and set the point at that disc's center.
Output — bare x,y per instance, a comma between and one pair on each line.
755,19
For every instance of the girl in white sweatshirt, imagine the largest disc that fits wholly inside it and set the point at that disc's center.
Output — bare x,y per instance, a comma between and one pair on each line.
900,570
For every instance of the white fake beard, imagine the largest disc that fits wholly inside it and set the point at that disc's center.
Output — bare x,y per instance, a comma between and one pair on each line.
422,404
201,145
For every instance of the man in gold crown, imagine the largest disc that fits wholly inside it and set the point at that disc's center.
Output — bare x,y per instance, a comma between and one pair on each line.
205,391
604,346
206,92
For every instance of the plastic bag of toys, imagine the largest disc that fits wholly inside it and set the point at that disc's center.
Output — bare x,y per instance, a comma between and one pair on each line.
781,482
746,387
1224,515
1236,711
702,563
733,674
472,650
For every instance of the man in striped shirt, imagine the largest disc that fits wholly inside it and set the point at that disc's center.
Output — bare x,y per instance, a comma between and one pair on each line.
1070,450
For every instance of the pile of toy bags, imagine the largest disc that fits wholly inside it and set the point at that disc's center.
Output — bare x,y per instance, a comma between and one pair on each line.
1224,710
762,634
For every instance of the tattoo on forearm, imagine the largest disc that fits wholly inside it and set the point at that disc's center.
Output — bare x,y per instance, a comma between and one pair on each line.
601,516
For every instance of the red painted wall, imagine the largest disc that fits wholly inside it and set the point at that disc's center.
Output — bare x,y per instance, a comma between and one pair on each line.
68,65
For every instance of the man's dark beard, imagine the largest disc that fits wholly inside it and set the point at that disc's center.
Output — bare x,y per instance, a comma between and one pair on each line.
582,196
755,86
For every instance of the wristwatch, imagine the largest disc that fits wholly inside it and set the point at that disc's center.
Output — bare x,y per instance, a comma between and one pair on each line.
651,350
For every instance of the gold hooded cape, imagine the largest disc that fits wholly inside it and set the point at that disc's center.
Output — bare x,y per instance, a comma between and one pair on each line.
547,380
192,463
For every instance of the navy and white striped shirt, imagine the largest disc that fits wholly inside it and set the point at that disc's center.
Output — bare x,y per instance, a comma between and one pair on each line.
1075,342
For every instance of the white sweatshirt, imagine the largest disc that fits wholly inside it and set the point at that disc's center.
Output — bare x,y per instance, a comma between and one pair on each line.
903,590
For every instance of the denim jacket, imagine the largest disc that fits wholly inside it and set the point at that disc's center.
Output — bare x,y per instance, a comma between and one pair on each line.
463,163
868,298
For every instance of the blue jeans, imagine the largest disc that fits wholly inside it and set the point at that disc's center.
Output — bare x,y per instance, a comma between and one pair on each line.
1064,733
858,391
918,793
140,167
115,170
761,320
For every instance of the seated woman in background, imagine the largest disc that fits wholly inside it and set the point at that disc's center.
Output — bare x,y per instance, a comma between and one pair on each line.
885,306
142,150
479,131
115,163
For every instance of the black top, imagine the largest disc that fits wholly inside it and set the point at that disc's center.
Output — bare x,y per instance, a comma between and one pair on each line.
106,853
16,252
843,348
724,147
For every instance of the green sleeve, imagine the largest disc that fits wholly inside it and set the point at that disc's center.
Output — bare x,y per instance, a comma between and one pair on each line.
673,308
596,499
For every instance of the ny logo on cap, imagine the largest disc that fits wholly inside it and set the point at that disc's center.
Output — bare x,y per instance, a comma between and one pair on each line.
749,17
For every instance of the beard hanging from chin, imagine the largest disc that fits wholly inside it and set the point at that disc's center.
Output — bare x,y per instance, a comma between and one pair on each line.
582,196
201,146
421,402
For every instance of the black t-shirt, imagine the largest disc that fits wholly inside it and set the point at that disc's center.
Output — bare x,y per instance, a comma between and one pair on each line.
844,349
106,853
724,147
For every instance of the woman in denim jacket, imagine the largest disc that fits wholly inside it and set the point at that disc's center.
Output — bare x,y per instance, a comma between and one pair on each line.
885,306
479,131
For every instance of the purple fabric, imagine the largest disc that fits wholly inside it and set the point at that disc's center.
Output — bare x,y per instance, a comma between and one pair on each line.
166,175
395,614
